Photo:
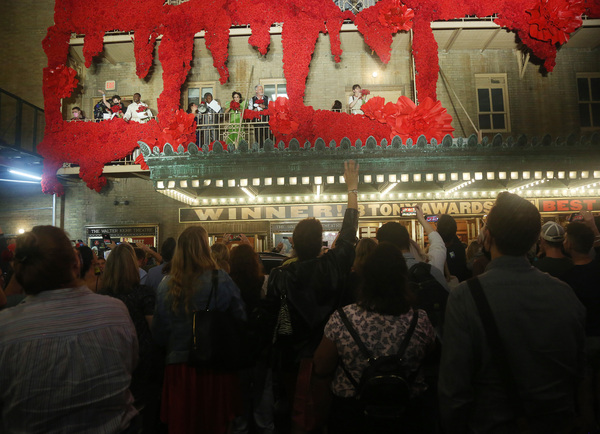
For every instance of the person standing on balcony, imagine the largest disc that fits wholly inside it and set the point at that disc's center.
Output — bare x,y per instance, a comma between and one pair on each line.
115,106
138,111
193,108
260,102
234,109
77,114
210,119
356,100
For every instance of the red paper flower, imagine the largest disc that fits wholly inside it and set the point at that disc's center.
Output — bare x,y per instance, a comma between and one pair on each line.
408,120
428,118
60,80
234,105
259,101
116,108
397,16
282,121
365,92
142,108
181,130
553,20
373,109
142,162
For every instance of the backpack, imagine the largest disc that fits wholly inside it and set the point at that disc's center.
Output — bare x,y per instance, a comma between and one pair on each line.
384,389
430,294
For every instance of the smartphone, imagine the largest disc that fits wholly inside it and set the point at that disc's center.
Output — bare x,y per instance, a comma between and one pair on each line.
431,218
575,217
408,211
325,243
106,238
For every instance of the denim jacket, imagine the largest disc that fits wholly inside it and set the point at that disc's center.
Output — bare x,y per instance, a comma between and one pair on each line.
174,330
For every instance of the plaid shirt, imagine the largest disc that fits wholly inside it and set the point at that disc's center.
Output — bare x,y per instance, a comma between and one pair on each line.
66,358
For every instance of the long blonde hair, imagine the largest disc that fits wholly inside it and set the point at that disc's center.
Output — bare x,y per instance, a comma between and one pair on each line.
192,258
121,274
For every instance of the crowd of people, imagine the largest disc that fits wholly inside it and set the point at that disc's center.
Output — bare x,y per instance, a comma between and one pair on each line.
370,337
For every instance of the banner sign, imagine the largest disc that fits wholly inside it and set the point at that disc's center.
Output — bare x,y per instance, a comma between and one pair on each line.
122,231
569,205
328,211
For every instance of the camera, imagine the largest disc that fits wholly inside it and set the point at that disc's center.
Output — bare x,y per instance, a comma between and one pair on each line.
235,237
432,218
408,211
576,217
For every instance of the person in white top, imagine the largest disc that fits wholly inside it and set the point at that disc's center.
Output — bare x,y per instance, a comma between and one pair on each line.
356,100
135,111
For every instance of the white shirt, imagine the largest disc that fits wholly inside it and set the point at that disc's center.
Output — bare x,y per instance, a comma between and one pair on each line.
356,108
133,114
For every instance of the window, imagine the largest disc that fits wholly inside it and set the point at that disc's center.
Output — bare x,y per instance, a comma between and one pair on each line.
588,92
275,88
195,92
492,103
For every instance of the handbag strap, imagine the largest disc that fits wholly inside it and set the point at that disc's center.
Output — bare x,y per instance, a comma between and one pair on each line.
363,348
497,347
213,289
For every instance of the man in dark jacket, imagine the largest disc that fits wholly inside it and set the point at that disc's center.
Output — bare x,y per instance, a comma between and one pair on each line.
310,288
456,257
541,327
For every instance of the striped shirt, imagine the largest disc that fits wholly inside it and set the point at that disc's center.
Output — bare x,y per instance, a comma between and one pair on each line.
66,358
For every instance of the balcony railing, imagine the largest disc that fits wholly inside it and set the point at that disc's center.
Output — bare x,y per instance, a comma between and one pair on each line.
225,128
345,5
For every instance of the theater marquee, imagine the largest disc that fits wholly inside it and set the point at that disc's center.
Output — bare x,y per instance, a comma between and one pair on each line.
379,210
327,211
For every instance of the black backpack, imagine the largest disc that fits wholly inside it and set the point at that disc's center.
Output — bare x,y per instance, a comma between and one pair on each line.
430,294
384,389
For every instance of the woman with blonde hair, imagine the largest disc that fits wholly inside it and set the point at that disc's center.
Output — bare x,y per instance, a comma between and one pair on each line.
220,253
194,399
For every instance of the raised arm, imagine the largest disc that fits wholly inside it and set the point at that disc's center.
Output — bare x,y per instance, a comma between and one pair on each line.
351,177
437,247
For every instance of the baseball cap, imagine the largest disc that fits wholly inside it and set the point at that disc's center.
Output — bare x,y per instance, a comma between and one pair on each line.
553,232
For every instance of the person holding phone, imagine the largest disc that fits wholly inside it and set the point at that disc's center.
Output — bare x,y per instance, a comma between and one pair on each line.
312,287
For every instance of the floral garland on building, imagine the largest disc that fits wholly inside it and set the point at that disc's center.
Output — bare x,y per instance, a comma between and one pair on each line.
542,25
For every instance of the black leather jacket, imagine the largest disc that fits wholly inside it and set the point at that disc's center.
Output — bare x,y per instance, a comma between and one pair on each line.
315,288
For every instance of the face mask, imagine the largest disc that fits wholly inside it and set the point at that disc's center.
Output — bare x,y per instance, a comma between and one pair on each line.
76,115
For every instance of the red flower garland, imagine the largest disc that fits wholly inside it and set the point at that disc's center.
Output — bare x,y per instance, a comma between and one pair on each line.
303,21
553,20
282,122
60,80
408,120
396,16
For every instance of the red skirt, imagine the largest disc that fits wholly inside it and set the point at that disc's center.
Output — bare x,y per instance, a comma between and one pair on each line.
199,401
